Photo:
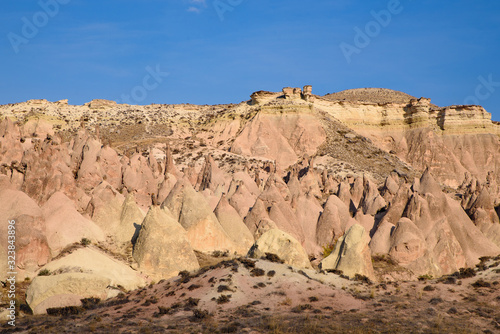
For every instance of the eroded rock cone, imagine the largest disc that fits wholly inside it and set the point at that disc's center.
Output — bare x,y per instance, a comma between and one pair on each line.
333,222
234,226
32,248
429,208
191,209
351,254
485,217
65,225
131,217
162,249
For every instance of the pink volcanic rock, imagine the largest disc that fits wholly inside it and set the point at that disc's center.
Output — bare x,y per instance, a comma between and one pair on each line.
407,243
169,163
333,222
283,137
168,183
154,164
90,173
211,176
380,243
65,225
248,181
283,215
212,198
357,190
261,138
391,187
11,148
233,225
9,129
293,185
371,201
190,208
483,213
190,174
308,212
434,207
32,249
49,169
105,207
345,195
280,185
397,205
37,127
139,177
271,194
131,217
258,213
367,221
111,166
242,200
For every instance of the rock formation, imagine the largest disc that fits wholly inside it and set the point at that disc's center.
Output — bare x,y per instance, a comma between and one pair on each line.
370,171
351,254
162,248
286,247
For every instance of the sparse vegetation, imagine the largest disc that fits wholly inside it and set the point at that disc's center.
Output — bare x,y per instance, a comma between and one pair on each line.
44,272
85,242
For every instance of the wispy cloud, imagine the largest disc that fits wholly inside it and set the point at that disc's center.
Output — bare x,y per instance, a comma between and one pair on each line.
194,10
196,6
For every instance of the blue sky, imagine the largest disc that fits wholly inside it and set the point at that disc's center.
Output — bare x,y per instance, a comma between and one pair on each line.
220,51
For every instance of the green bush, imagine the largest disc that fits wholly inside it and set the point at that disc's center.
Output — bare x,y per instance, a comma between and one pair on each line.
85,242
44,272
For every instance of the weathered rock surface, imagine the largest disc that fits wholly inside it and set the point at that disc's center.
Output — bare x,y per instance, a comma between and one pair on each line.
31,246
162,249
351,254
65,225
66,290
282,244
234,226
92,261
190,208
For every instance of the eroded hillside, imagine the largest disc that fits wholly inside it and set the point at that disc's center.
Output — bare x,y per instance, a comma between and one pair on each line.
385,191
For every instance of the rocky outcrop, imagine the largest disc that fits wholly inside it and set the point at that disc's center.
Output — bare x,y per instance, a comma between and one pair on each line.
65,225
85,273
351,254
281,137
234,226
101,104
65,290
32,247
191,209
162,249
286,247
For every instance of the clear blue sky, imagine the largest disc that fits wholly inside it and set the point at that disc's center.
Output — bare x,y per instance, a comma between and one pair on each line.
221,51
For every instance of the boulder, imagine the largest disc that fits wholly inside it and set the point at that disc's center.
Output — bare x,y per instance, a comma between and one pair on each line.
66,290
282,244
92,261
